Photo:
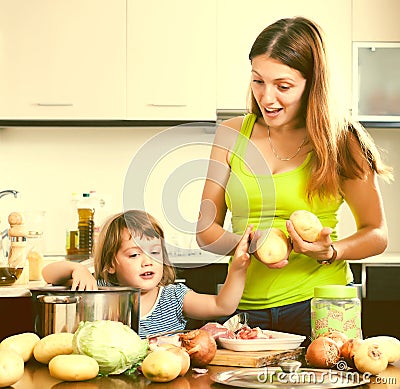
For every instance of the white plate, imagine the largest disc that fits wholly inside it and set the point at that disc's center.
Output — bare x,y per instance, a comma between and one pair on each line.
279,341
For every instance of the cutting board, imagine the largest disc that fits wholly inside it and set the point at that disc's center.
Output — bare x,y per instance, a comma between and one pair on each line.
225,357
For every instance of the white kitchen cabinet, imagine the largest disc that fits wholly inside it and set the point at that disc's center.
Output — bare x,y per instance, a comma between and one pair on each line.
171,60
63,59
238,27
376,20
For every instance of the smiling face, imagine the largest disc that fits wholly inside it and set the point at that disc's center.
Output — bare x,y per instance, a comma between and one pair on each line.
138,262
278,90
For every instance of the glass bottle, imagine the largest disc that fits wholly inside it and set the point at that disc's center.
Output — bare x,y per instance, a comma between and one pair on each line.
6,276
85,226
72,235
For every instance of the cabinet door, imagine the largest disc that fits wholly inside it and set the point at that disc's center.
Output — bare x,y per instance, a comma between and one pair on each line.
376,20
171,60
62,59
238,27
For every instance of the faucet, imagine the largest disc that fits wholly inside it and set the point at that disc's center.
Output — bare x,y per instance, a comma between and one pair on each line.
7,192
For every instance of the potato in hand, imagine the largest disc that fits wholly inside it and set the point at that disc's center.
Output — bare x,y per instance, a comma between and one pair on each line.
272,246
306,224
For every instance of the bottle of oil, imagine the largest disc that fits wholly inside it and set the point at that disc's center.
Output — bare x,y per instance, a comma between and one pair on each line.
72,235
85,226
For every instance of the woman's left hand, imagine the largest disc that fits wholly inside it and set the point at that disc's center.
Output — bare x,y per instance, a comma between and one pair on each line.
320,249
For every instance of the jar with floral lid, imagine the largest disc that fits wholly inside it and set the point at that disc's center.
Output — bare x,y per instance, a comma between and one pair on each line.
336,308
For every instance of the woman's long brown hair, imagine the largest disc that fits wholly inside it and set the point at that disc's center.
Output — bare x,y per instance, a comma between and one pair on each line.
299,43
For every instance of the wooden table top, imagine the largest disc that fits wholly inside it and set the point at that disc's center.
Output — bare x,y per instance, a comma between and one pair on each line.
37,376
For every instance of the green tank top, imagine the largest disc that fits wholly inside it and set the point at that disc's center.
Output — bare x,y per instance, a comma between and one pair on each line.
267,200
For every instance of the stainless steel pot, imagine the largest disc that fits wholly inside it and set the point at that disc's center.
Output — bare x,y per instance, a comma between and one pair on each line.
58,309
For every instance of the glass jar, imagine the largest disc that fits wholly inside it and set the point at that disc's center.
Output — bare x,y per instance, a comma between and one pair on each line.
336,308
35,249
35,222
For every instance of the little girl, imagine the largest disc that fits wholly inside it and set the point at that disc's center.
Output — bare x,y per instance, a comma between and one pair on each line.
131,252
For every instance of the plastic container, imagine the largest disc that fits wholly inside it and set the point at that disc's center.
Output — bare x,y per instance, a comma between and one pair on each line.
35,243
336,308
35,257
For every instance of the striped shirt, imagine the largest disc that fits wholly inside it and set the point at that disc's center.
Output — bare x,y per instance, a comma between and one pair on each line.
167,312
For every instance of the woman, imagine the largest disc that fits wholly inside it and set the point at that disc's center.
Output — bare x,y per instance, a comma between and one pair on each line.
292,152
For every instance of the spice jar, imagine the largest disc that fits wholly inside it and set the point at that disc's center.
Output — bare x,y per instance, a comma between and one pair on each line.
336,308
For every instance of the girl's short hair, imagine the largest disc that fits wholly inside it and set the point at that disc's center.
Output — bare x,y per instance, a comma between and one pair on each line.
140,224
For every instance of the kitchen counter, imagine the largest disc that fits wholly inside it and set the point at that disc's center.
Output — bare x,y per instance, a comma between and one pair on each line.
37,376
208,258
381,259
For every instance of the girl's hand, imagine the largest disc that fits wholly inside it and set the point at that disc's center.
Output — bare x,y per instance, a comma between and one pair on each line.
320,249
241,257
82,279
255,235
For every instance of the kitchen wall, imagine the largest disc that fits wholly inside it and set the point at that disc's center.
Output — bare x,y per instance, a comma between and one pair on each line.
47,164
388,140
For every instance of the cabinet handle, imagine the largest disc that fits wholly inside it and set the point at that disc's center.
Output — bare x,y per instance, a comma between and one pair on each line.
55,104
168,105
364,281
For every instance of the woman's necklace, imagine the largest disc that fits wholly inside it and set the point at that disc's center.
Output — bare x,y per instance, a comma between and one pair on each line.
277,155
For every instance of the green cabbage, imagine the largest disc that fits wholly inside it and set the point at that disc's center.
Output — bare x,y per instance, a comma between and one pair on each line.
115,346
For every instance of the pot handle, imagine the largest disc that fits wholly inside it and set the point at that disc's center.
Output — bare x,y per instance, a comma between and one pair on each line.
45,299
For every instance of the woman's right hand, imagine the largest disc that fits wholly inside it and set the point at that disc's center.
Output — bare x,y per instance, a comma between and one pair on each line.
82,279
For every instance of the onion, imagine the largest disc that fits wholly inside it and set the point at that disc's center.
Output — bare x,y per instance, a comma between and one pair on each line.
390,346
370,358
200,346
323,352
339,337
348,350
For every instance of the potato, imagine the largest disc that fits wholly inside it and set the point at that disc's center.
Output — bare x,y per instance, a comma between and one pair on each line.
73,367
23,344
306,224
389,345
11,367
161,366
181,353
272,246
53,345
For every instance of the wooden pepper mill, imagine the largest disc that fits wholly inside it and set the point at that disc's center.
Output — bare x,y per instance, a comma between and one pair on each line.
17,234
